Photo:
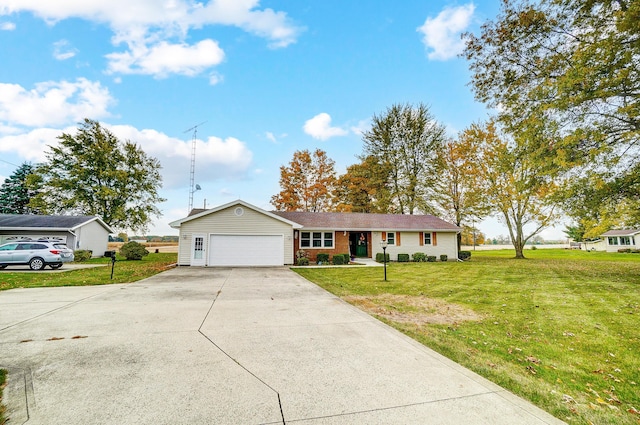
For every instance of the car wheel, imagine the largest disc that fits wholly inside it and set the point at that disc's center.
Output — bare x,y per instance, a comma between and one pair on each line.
55,266
36,263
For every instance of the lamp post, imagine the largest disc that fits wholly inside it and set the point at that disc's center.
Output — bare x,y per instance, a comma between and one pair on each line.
384,245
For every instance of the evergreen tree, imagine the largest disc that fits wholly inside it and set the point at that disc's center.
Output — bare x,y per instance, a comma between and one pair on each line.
15,193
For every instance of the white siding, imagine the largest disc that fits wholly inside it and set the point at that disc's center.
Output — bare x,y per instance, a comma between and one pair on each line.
226,222
447,243
92,236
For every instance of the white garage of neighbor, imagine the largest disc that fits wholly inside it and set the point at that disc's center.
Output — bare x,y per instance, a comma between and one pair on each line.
235,234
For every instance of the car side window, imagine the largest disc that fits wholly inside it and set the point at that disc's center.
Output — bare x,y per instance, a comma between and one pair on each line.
23,247
37,246
10,247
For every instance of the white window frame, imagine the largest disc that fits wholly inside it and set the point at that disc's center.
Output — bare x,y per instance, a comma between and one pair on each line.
393,239
625,240
428,235
613,240
325,239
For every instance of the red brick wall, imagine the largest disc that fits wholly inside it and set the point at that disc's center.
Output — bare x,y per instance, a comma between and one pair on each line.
341,246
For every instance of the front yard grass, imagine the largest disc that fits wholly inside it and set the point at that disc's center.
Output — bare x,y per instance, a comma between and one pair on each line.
561,328
3,378
124,272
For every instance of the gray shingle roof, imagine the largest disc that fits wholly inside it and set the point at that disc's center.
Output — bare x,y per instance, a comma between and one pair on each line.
363,221
17,221
623,232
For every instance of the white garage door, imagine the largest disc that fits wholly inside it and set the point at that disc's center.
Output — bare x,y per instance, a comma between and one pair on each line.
246,250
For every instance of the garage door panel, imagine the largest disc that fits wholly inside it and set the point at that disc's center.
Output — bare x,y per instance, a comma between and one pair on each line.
246,250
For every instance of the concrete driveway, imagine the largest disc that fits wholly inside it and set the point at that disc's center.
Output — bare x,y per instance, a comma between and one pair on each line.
228,346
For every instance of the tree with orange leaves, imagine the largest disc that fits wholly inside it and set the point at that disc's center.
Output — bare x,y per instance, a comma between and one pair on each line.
308,183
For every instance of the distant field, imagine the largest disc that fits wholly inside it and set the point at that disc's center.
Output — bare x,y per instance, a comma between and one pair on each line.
561,328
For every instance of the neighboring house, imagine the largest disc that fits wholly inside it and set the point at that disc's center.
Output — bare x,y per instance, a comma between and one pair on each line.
621,239
77,232
593,245
240,234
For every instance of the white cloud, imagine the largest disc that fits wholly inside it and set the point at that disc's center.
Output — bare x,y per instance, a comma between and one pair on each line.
215,78
216,159
62,50
319,127
155,31
164,58
53,103
32,146
442,33
7,26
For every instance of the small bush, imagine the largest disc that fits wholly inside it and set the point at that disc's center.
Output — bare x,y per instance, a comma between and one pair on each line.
380,257
302,261
533,248
133,251
625,250
431,259
347,258
444,257
322,257
419,257
403,258
464,255
81,255
338,259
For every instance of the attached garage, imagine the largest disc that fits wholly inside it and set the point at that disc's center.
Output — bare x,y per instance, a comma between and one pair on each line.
235,234
246,250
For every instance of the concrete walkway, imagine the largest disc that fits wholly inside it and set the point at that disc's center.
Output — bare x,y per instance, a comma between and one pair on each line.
228,346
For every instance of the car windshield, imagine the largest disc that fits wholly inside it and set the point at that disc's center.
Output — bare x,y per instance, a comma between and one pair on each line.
59,246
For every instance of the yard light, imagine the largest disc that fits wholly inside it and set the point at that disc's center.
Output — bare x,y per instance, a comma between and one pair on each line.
384,245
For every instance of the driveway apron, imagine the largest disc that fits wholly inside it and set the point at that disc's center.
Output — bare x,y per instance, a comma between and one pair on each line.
228,346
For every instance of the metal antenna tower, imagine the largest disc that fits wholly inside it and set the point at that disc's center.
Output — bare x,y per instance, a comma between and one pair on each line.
192,173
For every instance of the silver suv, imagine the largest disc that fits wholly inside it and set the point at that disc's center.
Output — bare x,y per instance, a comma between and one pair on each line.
35,254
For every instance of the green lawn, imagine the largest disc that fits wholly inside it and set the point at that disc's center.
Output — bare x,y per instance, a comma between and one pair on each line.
124,271
561,328
3,377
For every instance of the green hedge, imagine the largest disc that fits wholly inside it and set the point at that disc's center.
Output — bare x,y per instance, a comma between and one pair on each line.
80,255
444,257
380,257
431,258
133,251
322,257
403,258
464,255
302,261
419,257
339,260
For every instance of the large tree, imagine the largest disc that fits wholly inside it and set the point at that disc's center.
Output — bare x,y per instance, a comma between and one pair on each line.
307,184
363,188
516,184
405,139
458,193
92,172
575,63
15,193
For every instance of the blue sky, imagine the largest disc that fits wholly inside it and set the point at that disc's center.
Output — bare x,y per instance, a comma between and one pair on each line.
267,78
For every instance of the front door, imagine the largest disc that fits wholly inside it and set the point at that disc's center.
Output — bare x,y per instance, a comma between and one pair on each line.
361,245
198,257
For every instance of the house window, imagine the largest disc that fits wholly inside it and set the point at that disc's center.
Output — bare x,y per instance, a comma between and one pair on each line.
427,238
328,240
613,240
625,240
316,239
305,239
391,238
